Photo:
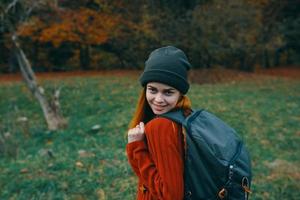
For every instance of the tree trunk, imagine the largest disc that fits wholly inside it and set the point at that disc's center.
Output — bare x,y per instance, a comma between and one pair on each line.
208,58
266,60
277,56
242,60
50,107
35,54
288,57
85,59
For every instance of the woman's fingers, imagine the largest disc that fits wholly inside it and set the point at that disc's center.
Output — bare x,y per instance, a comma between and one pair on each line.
137,133
142,126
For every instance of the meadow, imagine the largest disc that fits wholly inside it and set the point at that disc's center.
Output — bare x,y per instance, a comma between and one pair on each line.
84,162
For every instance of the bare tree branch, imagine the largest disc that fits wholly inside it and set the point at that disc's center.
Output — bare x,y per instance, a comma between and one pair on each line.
11,20
11,5
28,71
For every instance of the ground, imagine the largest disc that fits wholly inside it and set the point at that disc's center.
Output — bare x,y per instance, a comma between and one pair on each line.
207,75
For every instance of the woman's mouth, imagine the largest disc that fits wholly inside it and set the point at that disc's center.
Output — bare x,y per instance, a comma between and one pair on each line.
158,108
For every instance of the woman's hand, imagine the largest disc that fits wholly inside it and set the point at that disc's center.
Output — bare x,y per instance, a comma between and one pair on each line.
137,133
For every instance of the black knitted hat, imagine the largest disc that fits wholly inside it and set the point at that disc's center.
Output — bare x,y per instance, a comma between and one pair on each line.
168,65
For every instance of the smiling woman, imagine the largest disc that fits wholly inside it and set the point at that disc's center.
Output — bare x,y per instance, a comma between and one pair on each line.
155,146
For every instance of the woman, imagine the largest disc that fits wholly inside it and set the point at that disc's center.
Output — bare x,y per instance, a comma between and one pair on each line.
155,146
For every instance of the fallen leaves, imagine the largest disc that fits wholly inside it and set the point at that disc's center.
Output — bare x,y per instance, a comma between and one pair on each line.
85,154
24,171
101,194
283,168
79,164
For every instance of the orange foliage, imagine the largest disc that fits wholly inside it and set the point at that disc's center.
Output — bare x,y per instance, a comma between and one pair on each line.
31,28
84,26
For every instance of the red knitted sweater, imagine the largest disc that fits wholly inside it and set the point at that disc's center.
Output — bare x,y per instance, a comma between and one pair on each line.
158,161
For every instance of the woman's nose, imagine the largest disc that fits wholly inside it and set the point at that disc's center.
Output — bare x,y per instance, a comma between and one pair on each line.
159,98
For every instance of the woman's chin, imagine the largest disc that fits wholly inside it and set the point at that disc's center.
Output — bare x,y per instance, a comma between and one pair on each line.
159,112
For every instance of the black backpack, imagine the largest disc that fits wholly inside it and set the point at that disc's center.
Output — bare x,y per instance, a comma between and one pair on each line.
217,164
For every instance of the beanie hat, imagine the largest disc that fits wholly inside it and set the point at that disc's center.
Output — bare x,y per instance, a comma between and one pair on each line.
168,65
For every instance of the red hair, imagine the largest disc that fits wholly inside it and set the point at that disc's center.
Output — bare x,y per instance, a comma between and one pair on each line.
143,112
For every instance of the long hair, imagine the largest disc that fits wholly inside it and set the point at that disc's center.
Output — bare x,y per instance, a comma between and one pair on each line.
143,112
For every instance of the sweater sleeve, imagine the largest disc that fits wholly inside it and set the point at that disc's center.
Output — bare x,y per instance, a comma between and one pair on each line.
160,162
130,149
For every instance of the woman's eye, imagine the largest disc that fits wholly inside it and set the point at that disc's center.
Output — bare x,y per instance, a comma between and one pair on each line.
169,93
152,90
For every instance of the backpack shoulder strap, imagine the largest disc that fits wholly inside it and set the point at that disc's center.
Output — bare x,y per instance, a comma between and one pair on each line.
176,116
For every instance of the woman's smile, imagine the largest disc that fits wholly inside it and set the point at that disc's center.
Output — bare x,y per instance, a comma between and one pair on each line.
158,107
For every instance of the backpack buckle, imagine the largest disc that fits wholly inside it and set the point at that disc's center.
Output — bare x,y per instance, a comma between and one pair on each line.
245,185
222,193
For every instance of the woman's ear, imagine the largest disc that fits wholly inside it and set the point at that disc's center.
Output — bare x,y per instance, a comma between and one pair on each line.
179,102
181,97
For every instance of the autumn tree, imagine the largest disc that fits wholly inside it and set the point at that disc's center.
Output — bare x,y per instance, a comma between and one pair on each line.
13,14
82,26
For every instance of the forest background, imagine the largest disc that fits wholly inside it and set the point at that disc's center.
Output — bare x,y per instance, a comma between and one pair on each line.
62,132
65,35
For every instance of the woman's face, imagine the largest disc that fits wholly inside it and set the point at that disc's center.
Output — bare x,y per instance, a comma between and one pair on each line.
161,97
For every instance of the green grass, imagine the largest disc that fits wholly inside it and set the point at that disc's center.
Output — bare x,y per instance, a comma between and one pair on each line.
93,165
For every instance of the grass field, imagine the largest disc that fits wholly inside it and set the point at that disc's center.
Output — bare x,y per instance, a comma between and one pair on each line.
81,163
